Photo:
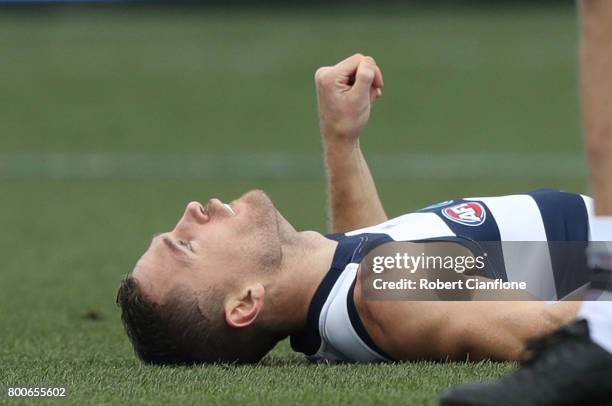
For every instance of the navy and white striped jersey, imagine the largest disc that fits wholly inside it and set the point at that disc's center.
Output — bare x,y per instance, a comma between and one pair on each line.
334,331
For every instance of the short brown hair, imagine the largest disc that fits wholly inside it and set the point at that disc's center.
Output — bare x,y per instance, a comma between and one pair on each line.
177,332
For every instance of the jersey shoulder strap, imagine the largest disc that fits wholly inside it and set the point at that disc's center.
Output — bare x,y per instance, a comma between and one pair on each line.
334,331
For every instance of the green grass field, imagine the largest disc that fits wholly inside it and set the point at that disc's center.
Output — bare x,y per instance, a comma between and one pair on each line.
112,119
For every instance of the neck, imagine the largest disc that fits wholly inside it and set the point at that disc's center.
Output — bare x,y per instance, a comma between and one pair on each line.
306,261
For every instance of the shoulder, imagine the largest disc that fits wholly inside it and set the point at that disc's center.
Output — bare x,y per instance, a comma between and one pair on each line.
402,328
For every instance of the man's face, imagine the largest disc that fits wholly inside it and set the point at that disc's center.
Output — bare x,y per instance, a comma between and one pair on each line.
214,245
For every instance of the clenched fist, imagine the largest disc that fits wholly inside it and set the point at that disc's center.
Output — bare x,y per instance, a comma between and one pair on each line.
345,94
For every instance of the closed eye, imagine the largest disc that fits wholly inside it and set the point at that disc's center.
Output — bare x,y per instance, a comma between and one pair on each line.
186,244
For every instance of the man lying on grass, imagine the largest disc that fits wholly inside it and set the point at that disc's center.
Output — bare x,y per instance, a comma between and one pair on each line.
231,280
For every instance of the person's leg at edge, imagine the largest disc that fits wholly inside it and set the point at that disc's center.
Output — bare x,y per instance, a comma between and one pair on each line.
596,88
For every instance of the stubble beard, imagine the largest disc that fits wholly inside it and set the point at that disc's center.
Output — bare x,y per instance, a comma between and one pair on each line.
265,226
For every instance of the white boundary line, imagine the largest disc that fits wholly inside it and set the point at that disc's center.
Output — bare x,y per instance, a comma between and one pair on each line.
287,166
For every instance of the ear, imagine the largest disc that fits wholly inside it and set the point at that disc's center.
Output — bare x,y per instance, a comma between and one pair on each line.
243,310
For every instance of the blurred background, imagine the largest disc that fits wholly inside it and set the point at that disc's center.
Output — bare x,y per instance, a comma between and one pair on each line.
115,116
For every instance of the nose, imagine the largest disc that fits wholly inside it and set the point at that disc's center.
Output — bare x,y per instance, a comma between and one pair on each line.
196,212
194,215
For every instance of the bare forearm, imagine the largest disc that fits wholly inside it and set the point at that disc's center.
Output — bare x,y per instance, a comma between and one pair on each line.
353,199
502,330
460,330
345,94
596,91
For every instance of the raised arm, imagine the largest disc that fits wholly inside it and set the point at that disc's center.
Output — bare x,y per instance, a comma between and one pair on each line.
345,93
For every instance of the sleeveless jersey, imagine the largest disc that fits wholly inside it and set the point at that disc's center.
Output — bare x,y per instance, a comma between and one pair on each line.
334,330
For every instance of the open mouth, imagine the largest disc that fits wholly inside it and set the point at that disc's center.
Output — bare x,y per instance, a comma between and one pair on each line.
229,208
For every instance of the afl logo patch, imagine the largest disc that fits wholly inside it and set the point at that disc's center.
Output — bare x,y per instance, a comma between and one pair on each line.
468,214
